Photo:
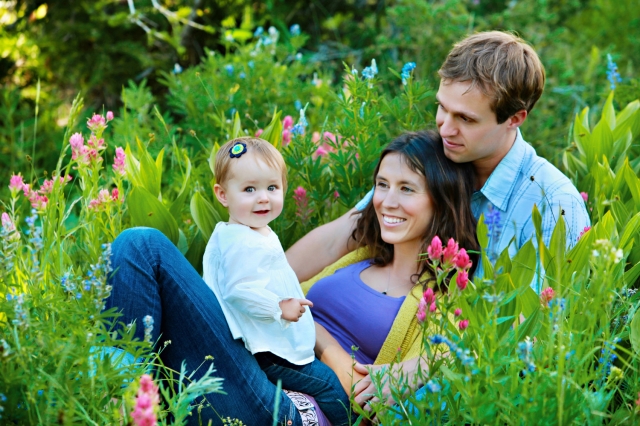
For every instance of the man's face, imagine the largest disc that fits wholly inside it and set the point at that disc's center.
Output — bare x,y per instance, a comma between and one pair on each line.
469,128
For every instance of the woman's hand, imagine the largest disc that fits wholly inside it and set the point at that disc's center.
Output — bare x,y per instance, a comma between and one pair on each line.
365,391
293,309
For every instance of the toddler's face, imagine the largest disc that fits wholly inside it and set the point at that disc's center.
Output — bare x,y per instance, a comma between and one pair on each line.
254,193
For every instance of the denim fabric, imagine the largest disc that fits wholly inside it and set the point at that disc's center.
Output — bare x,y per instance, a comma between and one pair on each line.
315,379
521,180
153,278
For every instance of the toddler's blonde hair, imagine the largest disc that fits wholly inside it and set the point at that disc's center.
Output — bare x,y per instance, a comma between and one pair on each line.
255,146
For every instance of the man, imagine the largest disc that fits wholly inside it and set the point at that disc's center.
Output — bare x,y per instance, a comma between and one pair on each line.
490,82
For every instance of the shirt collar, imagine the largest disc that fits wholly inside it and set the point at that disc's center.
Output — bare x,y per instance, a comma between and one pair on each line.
499,187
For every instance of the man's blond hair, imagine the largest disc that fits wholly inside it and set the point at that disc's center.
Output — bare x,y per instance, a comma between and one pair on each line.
255,146
502,66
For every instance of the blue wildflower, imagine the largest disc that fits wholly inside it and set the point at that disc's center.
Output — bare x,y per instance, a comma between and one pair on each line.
406,71
251,64
298,56
177,69
147,321
370,72
297,105
493,298
525,352
229,69
40,392
433,386
3,398
301,125
295,30
258,32
362,109
612,72
464,355
354,71
242,75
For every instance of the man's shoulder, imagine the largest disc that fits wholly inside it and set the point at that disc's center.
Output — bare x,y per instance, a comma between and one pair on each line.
545,175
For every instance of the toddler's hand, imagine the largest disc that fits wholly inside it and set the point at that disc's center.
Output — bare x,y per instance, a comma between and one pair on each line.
292,309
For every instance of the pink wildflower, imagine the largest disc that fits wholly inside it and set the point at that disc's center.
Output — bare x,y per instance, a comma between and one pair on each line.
286,137
16,184
546,295
147,400
432,307
76,141
450,251
584,231
118,161
287,122
115,194
463,324
457,312
302,203
429,296
96,123
422,311
7,223
109,115
320,152
96,143
329,136
435,249
336,194
46,187
38,202
462,280
315,137
584,196
461,260
103,198
638,400
259,132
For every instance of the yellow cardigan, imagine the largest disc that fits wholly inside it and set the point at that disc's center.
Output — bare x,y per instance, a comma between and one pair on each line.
405,336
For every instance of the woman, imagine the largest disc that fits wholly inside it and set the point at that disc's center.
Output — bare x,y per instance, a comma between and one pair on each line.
419,193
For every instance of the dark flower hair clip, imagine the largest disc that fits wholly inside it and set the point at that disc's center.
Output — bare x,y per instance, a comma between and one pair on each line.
237,150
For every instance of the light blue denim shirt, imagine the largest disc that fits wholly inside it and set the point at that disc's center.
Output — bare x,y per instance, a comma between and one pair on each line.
521,180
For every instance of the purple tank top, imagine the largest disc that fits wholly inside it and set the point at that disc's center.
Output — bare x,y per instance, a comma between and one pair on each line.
354,313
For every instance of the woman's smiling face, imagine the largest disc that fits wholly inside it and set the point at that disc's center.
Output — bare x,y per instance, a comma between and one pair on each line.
402,202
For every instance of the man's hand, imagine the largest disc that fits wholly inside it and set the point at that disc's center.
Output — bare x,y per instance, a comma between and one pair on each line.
292,309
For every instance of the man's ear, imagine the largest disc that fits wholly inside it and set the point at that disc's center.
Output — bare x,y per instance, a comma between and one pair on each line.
518,118
221,194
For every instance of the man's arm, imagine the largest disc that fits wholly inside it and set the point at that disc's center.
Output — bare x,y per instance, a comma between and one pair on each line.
322,246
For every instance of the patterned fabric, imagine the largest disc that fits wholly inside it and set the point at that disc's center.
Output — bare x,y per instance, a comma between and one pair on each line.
305,407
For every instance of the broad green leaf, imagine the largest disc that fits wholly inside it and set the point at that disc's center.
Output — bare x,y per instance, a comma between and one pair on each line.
627,113
273,132
132,166
536,217
524,265
146,210
531,324
212,158
159,159
609,113
204,215
179,202
631,230
634,333
237,126
482,231
601,140
632,181
577,260
196,252
148,170
529,301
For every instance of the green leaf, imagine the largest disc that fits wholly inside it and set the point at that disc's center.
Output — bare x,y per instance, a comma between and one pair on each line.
212,158
273,132
529,301
146,210
149,177
178,203
237,127
523,266
482,231
531,325
204,215
634,333
196,252
608,112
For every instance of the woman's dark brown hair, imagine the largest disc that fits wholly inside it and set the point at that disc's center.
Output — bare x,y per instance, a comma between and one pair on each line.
450,187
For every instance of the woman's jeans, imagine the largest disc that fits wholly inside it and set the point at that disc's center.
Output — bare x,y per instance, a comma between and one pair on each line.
153,278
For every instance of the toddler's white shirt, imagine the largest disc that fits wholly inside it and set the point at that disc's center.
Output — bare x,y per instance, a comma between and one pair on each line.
250,275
